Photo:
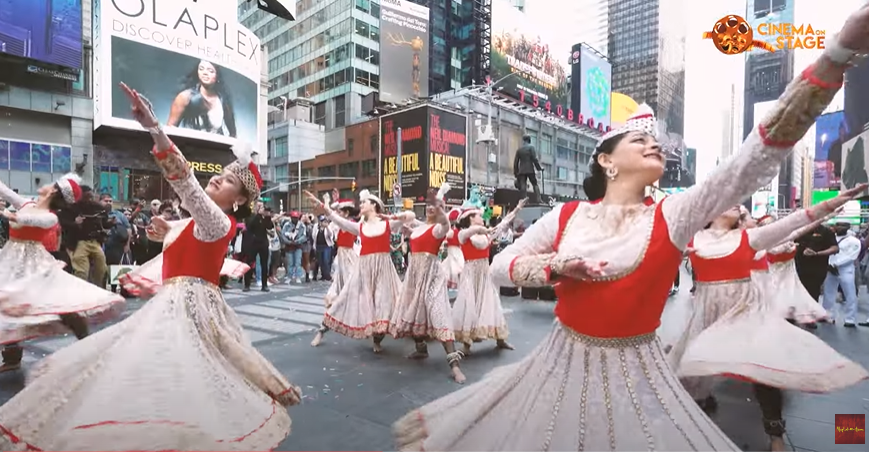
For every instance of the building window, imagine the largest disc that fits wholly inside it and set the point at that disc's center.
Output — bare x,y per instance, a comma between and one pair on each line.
375,144
546,144
307,173
367,31
547,169
562,173
320,113
350,146
281,149
282,173
369,168
368,55
326,171
348,169
340,110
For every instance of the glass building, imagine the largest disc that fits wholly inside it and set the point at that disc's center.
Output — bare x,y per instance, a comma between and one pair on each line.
646,45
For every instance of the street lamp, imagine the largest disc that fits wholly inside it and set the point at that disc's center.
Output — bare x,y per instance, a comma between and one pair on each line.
487,136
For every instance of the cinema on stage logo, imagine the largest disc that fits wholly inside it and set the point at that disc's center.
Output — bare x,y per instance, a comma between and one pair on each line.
733,35
850,429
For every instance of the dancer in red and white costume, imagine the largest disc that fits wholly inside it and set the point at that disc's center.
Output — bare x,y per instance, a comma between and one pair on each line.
477,311
735,302
146,280
37,297
600,380
423,309
179,374
347,255
364,306
454,263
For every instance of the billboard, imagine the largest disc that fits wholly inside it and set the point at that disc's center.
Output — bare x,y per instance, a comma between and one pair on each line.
404,50
519,48
854,169
830,134
766,199
199,68
48,31
856,93
448,147
414,162
760,12
622,107
595,86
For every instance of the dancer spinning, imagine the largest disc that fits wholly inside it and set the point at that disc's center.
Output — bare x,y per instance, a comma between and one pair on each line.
599,381
423,310
179,374
346,257
364,306
147,279
37,297
454,263
477,311
732,289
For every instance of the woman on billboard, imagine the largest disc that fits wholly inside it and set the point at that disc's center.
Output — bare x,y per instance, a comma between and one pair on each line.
204,103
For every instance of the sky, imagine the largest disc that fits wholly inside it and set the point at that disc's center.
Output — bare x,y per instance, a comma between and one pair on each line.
710,74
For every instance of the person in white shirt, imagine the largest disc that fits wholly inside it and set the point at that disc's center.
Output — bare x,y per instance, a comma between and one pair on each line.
841,273
324,239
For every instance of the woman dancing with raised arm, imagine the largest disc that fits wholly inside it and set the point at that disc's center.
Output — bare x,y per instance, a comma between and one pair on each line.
37,297
600,380
454,263
477,311
423,310
364,306
346,257
179,374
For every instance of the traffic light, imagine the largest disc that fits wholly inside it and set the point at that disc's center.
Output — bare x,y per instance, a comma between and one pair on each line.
353,186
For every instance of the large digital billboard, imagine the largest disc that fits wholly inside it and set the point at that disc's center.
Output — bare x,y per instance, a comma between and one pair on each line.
199,68
766,199
762,12
48,31
518,47
404,42
595,86
854,156
830,134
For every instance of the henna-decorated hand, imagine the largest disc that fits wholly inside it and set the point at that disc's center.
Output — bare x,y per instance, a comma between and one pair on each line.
855,33
143,111
578,268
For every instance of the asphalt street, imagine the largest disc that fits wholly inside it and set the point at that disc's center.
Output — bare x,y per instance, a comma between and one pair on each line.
352,396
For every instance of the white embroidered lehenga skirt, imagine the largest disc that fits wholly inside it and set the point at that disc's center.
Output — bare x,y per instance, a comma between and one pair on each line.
573,392
345,261
423,309
709,303
453,265
791,297
477,311
752,341
35,291
363,308
179,374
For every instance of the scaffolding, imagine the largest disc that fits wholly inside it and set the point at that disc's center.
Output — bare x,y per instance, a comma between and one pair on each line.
483,29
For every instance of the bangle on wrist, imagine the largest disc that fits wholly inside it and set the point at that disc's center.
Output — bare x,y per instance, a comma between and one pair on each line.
840,54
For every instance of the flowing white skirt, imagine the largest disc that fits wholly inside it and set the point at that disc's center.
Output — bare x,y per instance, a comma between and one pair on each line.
35,291
453,265
753,342
791,298
146,279
344,263
573,392
179,374
364,306
477,311
423,310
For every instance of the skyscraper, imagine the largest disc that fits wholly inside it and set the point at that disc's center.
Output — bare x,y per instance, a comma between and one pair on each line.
646,45
577,21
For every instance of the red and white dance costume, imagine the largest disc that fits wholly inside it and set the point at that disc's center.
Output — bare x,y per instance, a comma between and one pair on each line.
363,308
37,297
600,380
146,280
423,310
346,257
454,263
477,311
179,374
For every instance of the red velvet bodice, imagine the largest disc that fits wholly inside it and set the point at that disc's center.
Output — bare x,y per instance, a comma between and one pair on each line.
345,239
733,267
623,307
189,256
29,233
471,252
454,240
782,257
426,242
376,244
760,265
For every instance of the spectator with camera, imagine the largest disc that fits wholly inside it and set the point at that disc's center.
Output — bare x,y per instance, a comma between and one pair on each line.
89,231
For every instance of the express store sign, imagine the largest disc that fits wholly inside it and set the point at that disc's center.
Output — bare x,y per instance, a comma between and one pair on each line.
563,113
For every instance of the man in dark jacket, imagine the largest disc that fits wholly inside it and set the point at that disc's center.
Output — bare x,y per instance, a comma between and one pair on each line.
524,165
256,244
89,233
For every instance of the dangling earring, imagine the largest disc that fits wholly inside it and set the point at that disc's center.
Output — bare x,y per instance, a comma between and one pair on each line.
612,172
235,207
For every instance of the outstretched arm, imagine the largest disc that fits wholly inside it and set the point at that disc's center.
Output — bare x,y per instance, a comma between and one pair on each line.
33,218
526,262
762,152
808,228
13,198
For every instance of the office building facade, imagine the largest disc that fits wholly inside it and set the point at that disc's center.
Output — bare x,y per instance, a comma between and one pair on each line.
577,21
